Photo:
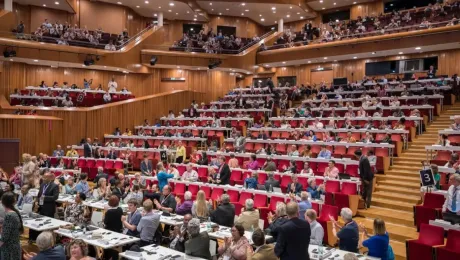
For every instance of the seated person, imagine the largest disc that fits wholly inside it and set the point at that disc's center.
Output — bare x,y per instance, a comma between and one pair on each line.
294,187
331,171
251,182
190,174
324,153
315,190
249,217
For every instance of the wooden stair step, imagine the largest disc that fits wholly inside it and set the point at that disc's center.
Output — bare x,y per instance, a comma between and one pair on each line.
389,215
397,232
410,166
408,185
394,196
398,190
403,173
393,204
384,177
399,249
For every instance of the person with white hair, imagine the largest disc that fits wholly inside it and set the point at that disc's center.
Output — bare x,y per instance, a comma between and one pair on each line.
224,214
275,221
249,218
304,204
451,207
348,235
46,244
198,243
190,174
183,208
456,124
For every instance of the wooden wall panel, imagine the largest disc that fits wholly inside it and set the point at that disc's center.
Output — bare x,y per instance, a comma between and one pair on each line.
39,14
113,19
245,27
366,9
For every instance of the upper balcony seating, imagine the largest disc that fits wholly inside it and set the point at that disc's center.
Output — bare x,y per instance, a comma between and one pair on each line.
409,20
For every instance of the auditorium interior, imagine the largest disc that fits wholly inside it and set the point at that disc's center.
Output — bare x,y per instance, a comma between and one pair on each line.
342,111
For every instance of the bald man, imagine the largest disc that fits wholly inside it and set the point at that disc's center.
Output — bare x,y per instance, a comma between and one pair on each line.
47,195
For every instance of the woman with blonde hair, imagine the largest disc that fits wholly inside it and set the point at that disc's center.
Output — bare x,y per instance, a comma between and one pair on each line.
378,243
201,207
28,169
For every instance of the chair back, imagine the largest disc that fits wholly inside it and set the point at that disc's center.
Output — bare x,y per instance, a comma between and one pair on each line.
453,240
431,235
327,210
433,200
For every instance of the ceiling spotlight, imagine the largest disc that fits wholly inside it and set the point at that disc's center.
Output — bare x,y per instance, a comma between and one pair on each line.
260,15
273,8
194,19
227,9
137,6
119,3
146,2
325,58
242,13
171,4
178,67
418,48
155,15
44,5
288,16
188,12
335,3
210,3
298,12
354,3
400,52
177,13
309,61
246,10
262,19
220,13
355,58
373,52
284,62
56,3
290,7
323,8
212,9
159,7
301,17
321,1
243,4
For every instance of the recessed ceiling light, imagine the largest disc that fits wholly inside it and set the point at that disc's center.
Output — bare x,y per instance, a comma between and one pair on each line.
418,48
325,58
178,67
260,15
195,15
276,21
243,4
194,19
220,13
355,58
210,3
56,3
242,13
247,10
284,62
169,11
171,4
298,12
309,61
301,17
138,6
44,5
212,9
11,59
273,8
118,69
373,52
288,16
290,7
262,19
354,3
323,8
35,60
274,12
119,3
400,52
146,2
227,9
188,12
177,13
159,7
335,3
155,15
321,1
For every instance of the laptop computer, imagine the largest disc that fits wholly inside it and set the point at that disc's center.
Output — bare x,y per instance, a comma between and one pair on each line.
275,189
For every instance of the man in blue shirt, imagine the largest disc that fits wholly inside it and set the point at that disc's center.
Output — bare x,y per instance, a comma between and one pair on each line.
82,186
324,153
134,216
304,204
348,235
251,183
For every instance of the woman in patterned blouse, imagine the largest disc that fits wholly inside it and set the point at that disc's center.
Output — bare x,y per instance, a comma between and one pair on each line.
75,212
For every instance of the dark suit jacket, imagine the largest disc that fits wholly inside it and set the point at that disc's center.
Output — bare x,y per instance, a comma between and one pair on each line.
365,171
101,175
51,194
120,193
111,156
298,188
274,183
198,246
87,150
146,167
195,113
224,215
225,175
293,240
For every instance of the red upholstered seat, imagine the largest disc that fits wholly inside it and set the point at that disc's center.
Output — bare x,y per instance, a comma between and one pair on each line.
332,186
216,193
349,188
207,191
234,195
179,189
327,211
421,248
452,248
429,210
193,188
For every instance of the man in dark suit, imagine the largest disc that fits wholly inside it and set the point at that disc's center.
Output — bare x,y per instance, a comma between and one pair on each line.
271,183
146,166
87,148
366,175
111,155
100,174
47,195
270,85
297,232
223,173
224,214
431,72
294,187
192,112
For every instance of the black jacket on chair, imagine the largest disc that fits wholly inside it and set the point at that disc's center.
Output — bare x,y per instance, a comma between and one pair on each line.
297,232
51,194
224,215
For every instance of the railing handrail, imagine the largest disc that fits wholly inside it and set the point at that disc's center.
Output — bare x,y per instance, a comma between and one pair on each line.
359,35
135,36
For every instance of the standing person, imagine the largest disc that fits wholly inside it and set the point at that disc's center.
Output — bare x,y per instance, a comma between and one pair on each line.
47,195
198,244
293,236
162,176
148,224
367,177
317,231
223,173
11,230
263,251
451,207
113,85
87,148
181,153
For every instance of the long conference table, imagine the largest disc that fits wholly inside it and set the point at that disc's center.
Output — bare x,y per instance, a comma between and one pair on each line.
434,148
78,90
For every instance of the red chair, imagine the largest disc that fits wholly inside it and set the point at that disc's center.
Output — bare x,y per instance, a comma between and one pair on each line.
327,211
181,169
273,201
99,163
285,180
203,174
235,176
90,163
332,186
233,194
429,210
341,201
422,248
109,164
81,162
207,191
452,248
193,188
118,165
349,188
216,193
243,197
260,200
179,189
249,147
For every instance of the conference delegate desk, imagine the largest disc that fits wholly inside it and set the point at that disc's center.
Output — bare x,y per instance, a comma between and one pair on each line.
444,224
235,121
236,95
386,109
255,112
394,90
16,96
358,134
262,89
229,103
183,128
410,121
155,252
404,82
439,148
41,223
77,90
383,150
